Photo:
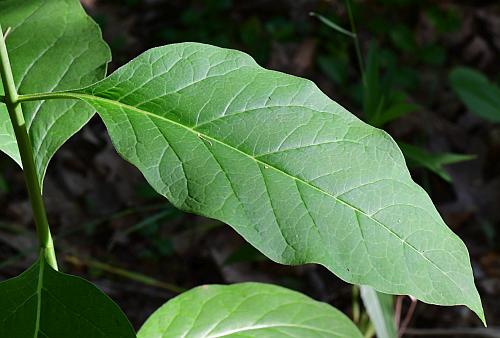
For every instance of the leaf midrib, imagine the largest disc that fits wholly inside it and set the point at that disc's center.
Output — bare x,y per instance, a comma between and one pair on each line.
270,326
39,287
84,97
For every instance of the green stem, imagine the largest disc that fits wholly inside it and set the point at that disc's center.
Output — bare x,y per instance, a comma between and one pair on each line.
125,273
370,331
27,158
356,42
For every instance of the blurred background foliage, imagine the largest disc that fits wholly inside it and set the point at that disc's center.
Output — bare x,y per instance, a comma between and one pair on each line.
425,71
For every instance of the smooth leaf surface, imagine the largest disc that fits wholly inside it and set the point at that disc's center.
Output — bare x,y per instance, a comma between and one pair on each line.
479,95
294,173
250,310
45,303
53,45
380,308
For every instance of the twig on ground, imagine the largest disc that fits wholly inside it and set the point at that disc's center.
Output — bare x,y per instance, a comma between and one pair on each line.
459,332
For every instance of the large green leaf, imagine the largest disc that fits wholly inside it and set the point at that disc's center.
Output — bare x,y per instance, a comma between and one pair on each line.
53,45
250,310
479,95
42,302
380,308
294,173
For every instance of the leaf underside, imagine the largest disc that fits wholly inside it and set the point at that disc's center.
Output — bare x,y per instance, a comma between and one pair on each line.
44,303
293,172
53,45
250,310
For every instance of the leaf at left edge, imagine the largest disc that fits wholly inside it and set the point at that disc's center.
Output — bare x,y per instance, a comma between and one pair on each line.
52,45
42,302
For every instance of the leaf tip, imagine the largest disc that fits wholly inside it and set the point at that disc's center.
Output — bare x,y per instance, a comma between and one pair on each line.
477,308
